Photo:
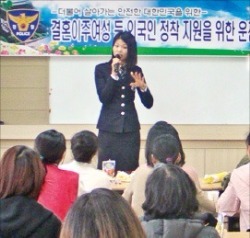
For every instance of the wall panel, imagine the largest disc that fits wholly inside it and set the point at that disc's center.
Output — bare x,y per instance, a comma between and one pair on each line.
205,154
24,90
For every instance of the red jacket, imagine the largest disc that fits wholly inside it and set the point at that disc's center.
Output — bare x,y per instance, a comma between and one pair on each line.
59,190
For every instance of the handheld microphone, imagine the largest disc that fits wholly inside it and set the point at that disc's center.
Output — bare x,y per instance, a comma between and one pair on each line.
117,65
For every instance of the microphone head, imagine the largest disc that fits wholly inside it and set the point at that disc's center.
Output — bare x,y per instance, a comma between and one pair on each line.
117,56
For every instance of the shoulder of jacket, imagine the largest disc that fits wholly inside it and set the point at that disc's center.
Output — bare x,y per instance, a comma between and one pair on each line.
209,231
104,64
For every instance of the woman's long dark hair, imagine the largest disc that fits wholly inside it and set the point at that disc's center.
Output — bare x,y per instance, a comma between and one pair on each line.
161,128
170,194
22,172
129,39
101,213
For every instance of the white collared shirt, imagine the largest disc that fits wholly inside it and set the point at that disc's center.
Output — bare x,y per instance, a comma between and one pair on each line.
89,177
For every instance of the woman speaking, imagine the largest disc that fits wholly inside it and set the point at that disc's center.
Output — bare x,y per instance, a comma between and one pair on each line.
116,83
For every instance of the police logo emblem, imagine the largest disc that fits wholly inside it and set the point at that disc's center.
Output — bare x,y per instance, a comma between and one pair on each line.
23,23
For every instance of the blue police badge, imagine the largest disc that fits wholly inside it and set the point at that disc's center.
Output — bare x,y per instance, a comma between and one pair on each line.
23,23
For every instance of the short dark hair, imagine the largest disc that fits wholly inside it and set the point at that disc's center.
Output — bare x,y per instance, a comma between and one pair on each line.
170,193
102,213
160,128
51,146
84,146
166,148
22,172
129,39
248,139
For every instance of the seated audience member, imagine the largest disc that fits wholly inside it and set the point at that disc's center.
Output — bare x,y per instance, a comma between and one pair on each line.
246,158
134,193
236,198
60,188
243,161
21,178
101,213
171,205
166,150
84,147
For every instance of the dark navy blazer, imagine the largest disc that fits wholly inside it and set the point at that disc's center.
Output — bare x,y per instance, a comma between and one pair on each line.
118,113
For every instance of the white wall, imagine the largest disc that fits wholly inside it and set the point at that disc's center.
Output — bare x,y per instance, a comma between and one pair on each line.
186,90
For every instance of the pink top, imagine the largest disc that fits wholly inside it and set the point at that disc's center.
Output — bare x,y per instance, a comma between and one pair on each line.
205,205
236,197
59,190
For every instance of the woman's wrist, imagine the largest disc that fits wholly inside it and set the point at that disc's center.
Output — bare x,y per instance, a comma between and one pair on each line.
114,76
144,88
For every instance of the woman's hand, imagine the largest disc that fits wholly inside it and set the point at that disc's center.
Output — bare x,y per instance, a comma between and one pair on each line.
115,66
139,81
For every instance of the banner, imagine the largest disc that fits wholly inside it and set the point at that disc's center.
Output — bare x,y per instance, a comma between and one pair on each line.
62,28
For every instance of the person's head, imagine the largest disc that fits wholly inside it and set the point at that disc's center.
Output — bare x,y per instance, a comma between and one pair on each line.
101,213
248,144
124,44
165,149
21,172
51,146
170,193
161,128
84,146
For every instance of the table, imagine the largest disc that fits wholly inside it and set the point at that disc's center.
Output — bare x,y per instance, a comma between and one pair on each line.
236,234
121,185
210,186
